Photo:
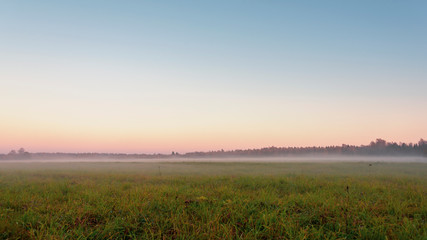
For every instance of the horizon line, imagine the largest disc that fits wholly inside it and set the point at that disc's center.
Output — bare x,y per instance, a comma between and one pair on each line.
172,152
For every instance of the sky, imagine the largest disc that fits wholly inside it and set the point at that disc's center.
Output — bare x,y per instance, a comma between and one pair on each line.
162,76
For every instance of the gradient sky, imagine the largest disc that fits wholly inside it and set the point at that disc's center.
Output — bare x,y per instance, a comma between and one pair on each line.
162,76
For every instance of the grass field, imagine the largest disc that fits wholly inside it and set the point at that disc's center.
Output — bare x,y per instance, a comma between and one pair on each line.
213,200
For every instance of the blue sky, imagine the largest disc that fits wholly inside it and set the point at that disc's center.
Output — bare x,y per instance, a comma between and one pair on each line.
154,75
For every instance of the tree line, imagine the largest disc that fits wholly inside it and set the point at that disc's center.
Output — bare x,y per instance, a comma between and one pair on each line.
378,147
375,148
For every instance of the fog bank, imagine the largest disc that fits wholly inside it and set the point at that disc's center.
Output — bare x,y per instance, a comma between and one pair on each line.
305,159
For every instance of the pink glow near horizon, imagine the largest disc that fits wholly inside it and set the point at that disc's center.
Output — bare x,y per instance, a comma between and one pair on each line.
182,145
116,79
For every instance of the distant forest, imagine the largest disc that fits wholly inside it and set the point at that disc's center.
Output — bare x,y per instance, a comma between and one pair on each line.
379,147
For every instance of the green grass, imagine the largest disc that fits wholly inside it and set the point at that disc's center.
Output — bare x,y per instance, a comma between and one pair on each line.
213,201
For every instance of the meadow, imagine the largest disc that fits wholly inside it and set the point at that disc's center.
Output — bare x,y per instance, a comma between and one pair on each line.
194,200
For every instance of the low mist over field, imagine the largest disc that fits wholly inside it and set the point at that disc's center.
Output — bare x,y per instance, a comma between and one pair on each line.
380,150
303,159
206,167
